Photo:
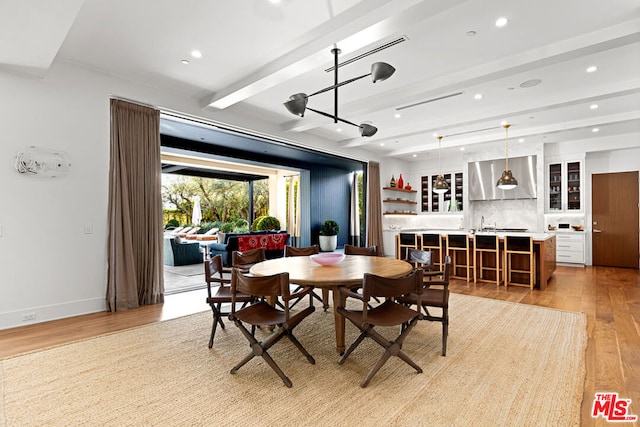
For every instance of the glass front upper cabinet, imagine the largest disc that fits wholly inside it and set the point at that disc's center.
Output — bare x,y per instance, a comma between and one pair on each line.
555,186
564,186
573,186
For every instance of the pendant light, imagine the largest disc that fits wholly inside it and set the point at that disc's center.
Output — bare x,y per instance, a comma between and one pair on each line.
507,181
440,185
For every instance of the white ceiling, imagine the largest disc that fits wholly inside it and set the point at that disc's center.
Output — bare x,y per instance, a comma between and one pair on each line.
256,54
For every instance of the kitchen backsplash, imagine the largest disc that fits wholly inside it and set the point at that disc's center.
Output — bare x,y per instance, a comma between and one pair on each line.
523,213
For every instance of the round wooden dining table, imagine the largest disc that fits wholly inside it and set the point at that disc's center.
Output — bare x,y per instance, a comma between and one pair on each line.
350,272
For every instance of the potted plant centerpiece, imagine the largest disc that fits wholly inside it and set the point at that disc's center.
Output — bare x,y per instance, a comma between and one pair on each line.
329,235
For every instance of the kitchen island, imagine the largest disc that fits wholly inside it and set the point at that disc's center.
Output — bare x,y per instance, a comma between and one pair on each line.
544,246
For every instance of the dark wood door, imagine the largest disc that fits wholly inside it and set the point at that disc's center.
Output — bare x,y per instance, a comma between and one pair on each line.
615,219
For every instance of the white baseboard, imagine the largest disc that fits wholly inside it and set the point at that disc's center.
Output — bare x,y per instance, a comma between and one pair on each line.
29,316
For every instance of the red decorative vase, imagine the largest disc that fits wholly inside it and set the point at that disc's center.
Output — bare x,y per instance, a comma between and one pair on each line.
400,182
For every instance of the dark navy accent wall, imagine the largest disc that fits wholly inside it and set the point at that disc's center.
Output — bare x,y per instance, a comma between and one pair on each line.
330,196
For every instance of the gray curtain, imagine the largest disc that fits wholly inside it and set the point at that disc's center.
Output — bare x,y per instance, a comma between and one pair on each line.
135,271
374,213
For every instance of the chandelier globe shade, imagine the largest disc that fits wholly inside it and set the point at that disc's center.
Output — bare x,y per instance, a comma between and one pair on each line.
297,104
381,71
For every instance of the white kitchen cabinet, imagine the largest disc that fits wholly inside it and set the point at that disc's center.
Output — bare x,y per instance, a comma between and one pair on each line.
570,247
564,189
389,242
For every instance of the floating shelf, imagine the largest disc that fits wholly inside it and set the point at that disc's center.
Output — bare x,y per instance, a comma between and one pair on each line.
407,202
399,189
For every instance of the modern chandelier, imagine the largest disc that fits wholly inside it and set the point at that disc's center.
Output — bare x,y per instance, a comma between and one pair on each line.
297,103
507,181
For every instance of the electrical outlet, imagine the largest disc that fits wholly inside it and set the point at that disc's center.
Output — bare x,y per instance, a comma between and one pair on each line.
28,316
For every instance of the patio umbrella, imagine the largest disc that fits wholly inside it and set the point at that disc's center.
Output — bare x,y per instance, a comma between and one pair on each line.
196,216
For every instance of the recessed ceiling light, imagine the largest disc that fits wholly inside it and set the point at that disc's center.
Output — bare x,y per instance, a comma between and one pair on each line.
274,1
501,22
591,69
471,33
196,54
382,144
593,106
594,130
435,134
461,148
415,155
521,140
477,96
397,115
185,61
530,83
339,129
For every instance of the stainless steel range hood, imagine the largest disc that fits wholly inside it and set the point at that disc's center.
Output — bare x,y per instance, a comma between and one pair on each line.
484,175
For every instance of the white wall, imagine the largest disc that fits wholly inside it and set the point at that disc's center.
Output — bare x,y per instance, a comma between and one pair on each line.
48,265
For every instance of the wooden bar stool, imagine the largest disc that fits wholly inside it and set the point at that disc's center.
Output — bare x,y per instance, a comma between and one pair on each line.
406,241
519,259
487,248
461,253
433,243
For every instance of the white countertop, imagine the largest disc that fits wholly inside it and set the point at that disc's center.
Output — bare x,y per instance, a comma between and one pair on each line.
500,234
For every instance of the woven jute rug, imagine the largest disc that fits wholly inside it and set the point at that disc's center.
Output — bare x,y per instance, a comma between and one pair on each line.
506,364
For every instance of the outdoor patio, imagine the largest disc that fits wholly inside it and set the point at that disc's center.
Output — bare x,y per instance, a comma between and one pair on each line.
183,278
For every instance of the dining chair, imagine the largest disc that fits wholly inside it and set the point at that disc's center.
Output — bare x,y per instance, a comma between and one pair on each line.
420,259
261,313
357,250
291,251
435,295
366,251
389,313
246,259
219,292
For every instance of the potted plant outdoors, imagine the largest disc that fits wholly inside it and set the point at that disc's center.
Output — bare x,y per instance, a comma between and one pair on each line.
329,236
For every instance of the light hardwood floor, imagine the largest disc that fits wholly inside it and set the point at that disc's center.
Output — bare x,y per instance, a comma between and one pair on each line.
610,297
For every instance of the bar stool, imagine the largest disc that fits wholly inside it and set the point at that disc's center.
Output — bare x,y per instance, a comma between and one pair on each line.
520,250
406,241
458,244
433,243
489,245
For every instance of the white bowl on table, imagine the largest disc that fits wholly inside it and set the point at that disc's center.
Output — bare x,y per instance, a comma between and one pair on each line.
327,259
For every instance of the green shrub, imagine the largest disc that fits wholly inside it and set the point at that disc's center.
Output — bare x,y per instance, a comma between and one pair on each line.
206,226
266,223
227,227
172,223
329,228
242,223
